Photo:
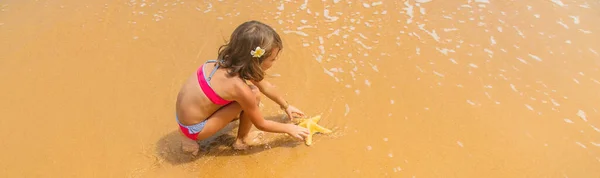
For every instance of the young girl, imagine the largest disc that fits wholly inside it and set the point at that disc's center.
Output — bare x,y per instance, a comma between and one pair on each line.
218,91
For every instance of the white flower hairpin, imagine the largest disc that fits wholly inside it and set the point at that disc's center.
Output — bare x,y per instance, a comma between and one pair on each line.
258,52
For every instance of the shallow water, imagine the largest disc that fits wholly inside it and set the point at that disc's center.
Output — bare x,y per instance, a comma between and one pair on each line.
417,88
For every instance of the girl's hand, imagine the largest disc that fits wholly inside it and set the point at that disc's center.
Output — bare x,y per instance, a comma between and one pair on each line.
297,131
291,110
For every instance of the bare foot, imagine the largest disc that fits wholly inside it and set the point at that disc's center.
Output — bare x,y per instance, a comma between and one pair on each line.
254,137
239,145
251,139
190,146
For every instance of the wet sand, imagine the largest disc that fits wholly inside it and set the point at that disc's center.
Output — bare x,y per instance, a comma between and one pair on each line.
418,88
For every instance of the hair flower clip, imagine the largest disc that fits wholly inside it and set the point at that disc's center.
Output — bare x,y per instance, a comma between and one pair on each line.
258,52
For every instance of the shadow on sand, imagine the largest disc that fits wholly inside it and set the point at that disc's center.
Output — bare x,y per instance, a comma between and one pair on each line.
169,146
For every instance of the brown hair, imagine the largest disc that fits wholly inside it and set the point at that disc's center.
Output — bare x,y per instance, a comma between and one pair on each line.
235,55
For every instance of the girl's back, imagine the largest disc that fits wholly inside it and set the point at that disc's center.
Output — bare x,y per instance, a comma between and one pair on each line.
193,104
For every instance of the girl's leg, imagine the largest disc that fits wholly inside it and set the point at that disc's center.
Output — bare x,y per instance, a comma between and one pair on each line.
245,126
224,116
219,120
214,123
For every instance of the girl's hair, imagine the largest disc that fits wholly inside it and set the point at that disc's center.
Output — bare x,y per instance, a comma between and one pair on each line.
235,55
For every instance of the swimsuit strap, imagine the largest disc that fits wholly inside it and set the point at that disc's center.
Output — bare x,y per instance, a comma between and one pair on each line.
214,70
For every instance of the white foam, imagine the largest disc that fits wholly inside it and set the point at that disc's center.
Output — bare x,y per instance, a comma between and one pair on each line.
376,3
319,58
450,29
304,26
513,88
209,8
438,74
453,61
409,12
362,44
529,107
562,24
336,70
347,110
558,2
280,8
488,51
460,144
568,121
500,29
336,33
303,6
366,5
492,40
329,18
536,15
367,83
535,57
585,5
422,1
581,145
362,36
296,32
576,81
519,31
554,102
447,17
473,65
595,144
582,115
444,50
471,102
422,71
575,19
432,33
374,67
593,51
523,61
328,72
596,129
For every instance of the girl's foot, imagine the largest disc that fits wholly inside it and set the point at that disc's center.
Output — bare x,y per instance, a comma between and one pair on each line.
239,145
189,146
251,139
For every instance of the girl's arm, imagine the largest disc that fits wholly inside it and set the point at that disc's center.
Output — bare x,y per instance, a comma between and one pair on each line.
271,92
245,97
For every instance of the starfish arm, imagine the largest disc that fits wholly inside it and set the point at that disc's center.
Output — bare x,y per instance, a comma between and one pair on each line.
303,124
316,119
308,140
321,129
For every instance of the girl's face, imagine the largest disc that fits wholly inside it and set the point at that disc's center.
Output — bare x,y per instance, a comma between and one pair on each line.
267,63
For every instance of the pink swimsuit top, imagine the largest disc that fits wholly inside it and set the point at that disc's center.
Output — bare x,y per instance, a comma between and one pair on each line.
205,85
